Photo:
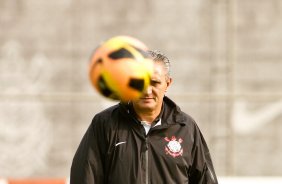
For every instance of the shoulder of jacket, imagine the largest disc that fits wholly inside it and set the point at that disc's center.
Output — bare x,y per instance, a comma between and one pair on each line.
187,119
105,115
108,110
178,115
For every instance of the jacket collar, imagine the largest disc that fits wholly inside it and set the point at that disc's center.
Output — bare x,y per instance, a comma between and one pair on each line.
170,113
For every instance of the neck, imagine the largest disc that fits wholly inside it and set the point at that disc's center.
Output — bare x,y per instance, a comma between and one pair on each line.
148,116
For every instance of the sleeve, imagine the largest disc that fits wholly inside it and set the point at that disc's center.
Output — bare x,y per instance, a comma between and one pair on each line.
202,170
87,164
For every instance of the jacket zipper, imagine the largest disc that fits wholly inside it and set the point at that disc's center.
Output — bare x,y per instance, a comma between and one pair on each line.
147,163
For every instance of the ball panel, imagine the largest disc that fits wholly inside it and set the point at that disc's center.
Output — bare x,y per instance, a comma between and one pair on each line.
119,41
137,84
103,87
120,53
105,90
94,73
142,52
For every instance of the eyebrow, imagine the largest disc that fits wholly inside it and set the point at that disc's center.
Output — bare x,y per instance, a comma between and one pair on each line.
156,80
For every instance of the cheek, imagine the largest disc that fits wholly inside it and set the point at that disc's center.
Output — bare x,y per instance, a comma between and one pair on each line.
159,91
164,88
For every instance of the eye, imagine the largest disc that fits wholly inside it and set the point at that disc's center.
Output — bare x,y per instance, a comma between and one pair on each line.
155,82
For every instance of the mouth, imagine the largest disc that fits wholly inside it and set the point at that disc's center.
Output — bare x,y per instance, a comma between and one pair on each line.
147,98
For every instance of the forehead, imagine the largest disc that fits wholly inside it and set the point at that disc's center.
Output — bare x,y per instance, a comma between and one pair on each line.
159,70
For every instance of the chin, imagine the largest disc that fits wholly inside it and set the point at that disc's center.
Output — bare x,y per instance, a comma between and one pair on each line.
146,106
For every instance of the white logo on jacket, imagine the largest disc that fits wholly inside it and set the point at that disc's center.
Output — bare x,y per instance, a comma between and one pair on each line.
173,146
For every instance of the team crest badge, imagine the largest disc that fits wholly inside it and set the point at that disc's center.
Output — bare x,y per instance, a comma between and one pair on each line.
173,146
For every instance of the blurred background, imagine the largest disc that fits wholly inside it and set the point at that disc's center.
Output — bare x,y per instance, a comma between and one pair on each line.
226,63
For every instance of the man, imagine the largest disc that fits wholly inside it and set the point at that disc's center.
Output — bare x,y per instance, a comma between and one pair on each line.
149,140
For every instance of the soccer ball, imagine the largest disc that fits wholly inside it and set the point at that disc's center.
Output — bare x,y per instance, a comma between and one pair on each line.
121,69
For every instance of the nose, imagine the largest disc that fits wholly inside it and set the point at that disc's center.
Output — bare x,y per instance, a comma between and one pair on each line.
149,90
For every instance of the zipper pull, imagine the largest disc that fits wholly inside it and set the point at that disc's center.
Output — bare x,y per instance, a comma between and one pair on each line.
146,143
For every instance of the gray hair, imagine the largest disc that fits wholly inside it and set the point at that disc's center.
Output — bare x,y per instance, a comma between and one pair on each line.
157,56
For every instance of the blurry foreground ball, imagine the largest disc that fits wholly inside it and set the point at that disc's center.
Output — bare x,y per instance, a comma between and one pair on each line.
121,69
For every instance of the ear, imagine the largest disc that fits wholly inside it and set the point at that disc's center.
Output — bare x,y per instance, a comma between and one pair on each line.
168,83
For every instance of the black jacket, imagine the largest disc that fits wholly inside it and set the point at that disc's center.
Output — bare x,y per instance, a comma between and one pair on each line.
116,150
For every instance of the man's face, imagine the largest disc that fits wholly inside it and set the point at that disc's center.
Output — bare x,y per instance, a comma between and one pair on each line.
153,96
